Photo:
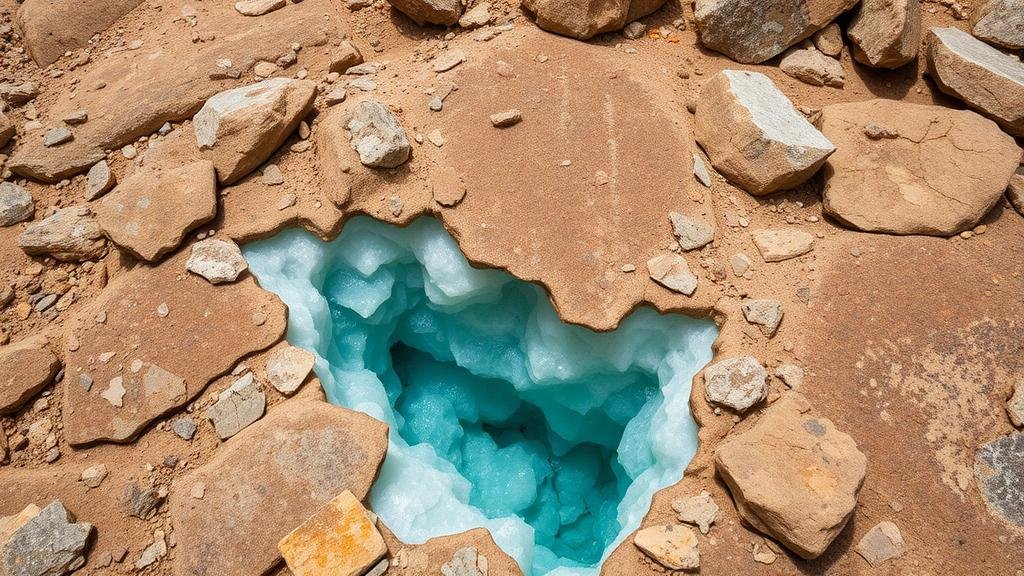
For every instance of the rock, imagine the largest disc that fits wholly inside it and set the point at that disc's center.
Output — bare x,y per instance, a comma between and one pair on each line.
808,65
99,180
466,561
943,173
151,211
75,117
781,244
264,69
217,260
272,175
48,543
439,12
793,475
345,56
752,31
238,129
15,204
881,544
506,118
691,233
672,272
52,27
57,136
185,428
754,136
984,78
18,94
448,59
285,468
999,468
1000,22
237,407
154,552
140,502
70,234
829,40
26,367
584,20
7,130
341,539
699,510
765,313
1015,191
288,367
672,546
700,171
378,136
737,383
258,7
791,375
886,33
93,476
477,16
634,30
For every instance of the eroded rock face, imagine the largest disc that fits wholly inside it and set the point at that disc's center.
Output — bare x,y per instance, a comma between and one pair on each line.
52,27
26,367
938,171
985,78
588,18
886,33
999,468
752,31
439,12
269,479
69,234
1000,22
793,475
754,136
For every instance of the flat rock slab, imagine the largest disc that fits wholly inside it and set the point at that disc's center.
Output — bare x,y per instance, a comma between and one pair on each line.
151,211
164,335
269,479
999,467
935,171
26,367
69,234
754,136
341,539
886,33
52,27
793,475
780,244
983,77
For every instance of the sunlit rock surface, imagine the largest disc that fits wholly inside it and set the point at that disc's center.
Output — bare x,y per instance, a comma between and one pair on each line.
552,436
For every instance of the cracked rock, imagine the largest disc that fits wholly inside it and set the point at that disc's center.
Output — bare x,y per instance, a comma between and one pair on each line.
886,33
237,407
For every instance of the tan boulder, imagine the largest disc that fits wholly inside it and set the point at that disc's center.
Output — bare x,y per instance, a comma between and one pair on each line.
905,168
886,33
1000,22
70,234
754,136
793,475
26,367
52,27
267,480
341,539
439,12
588,18
986,79
151,211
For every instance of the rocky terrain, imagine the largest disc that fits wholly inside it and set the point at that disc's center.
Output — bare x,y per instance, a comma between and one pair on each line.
838,185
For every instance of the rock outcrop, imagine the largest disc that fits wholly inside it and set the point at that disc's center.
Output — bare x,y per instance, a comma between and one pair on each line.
586,19
886,33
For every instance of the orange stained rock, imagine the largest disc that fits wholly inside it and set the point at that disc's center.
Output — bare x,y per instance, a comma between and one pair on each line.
339,540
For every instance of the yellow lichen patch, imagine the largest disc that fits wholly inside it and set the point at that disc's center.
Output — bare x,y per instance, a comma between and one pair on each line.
339,540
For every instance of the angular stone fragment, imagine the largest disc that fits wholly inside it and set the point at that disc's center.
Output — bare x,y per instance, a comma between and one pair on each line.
7,130
807,64
57,136
881,544
18,94
218,260
378,136
466,561
776,245
151,211
793,475
691,233
791,375
984,78
752,31
51,543
699,510
288,367
886,33
940,176
448,59
15,204
585,20
339,540
69,234
767,314
52,27
185,428
829,40
26,367
672,546
237,407
99,180
1000,22
93,476
999,468
439,12
736,383
506,118
477,16
700,171
239,129
154,552
258,7
345,56
672,272
284,467
754,136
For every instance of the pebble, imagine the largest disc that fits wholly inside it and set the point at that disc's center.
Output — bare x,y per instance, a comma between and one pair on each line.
57,136
506,118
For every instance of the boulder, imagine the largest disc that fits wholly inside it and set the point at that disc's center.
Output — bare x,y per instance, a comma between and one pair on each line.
999,468
151,211
269,479
671,545
52,27
736,383
69,234
779,244
16,204
754,136
26,367
218,260
986,79
378,136
239,129
341,539
51,543
589,18
793,475
752,31
672,272
938,171
807,64
439,12
886,33
1000,22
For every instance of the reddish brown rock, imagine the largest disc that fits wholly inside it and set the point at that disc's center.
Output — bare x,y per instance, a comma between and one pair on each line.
439,12
584,20
52,27
886,33
26,367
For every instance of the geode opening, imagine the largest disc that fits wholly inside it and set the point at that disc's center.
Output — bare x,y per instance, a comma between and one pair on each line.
552,436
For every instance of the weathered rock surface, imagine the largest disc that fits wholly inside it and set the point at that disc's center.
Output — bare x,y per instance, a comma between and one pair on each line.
754,136
70,234
776,245
766,313
671,545
1000,22
16,204
584,20
378,136
439,12
288,367
793,475
26,367
691,233
672,272
736,383
237,407
886,33
941,174
807,64
151,211
50,544
881,544
52,27
752,31
1015,191
239,129
284,468
340,539
699,510
999,468
984,78
829,40
216,259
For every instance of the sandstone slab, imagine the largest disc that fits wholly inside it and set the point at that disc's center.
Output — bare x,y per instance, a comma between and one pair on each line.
585,20
1000,22
779,244
671,545
16,204
69,234
218,260
886,33
999,468
439,12
737,383
52,27
341,539
26,367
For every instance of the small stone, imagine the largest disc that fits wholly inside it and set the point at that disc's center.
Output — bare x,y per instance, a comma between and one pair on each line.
162,310
465,562
736,383
217,260
198,491
288,367
272,175
634,30
699,510
185,428
48,542
672,546
140,502
763,554
448,60
93,476
16,204
808,65
477,16
829,40
378,136
435,137
881,544
57,136
154,552
99,181
258,7
341,539
791,375
700,171
691,233
672,272
506,118
76,117
264,69
335,96
286,201
237,407
115,392
129,152
782,244
765,313
345,56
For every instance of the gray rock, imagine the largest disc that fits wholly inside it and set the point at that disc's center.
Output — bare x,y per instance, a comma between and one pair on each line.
288,367
15,204
378,136
76,117
634,30
448,59
465,562
185,428
217,260
141,502
237,407
672,272
1000,22
692,233
99,181
50,544
999,467
882,543
57,136
765,313
736,383
700,171
506,118
70,234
